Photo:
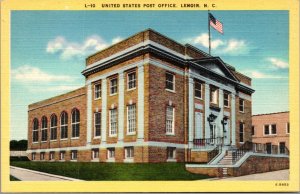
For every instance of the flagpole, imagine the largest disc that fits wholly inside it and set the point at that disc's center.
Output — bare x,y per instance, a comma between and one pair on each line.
209,39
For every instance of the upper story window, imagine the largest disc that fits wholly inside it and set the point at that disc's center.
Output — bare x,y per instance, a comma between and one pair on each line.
113,86
44,128
113,122
97,91
226,99
241,105
35,130
198,90
170,115
131,80
97,122
270,129
170,81
64,125
287,127
213,95
53,127
75,123
131,119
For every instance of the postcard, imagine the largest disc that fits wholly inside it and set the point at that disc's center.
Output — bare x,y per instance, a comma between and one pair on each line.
149,96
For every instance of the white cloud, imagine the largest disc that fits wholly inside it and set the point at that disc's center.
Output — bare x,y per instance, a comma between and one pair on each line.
260,75
68,49
278,63
27,73
218,46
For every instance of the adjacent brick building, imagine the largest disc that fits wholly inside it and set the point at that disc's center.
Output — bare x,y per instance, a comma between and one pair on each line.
271,132
145,99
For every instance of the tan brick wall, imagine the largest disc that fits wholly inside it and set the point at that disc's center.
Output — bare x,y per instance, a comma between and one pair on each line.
244,117
49,107
198,156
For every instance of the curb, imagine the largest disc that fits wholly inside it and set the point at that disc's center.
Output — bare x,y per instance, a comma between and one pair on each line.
47,174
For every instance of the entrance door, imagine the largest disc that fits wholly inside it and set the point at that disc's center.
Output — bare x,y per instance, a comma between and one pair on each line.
198,125
269,148
227,133
212,133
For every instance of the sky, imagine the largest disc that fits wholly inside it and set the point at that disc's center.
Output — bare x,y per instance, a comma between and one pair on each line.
48,50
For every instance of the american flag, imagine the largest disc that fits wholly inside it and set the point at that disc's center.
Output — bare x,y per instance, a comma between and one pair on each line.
216,24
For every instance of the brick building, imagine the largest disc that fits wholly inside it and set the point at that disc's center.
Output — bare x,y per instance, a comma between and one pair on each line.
271,132
145,99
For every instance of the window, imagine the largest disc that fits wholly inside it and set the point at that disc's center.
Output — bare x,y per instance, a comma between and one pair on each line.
74,155
53,127
113,122
110,153
51,156
171,152
113,86
62,155
35,130
170,120
97,124
226,99
241,105
131,80
198,90
42,156
170,81
270,129
129,152
44,128
252,130
95,153
33,156
131,119
241,132
64,125
75,123
213,95
97,91
287,127
282,147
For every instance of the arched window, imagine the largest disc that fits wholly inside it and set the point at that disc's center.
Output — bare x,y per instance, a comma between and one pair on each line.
44,128
53,127
35,130
75,122
64,125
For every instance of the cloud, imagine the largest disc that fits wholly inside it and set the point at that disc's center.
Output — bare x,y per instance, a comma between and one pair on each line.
27,73
278,63
218,46
260,75
68,50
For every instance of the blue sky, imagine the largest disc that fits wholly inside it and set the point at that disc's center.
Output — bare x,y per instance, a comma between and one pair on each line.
48,50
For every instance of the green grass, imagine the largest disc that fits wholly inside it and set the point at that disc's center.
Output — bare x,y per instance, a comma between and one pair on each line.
12,178
113,171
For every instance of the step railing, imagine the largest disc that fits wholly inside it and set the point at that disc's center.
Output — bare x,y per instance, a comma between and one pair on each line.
239,152
212,154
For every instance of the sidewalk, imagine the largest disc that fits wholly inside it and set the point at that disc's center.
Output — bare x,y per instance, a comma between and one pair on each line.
274,175
31,175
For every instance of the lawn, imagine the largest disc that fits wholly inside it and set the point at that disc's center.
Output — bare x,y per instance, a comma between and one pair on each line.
113,171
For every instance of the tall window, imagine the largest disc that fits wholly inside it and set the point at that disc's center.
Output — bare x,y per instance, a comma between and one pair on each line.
241,105
35,130
53,127
129,152
252,130
131,119
270,129
44,128
213,95
75,123
97,127
198,89
288,127
131,83
113,85
97,91
113,122
64,125
241,132
226,99
170,81
170,120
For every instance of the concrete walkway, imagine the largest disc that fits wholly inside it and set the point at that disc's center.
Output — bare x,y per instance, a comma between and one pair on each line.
274,175
32,175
